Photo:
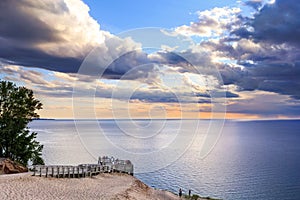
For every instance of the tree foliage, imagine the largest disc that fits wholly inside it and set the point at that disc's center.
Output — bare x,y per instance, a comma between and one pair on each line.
17,108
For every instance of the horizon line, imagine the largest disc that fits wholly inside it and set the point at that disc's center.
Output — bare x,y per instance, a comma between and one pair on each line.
226,119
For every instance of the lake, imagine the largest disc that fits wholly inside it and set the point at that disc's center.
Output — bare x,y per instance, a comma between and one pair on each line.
251,159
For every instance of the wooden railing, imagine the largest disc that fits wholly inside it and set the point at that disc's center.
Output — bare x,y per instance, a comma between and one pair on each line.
106,165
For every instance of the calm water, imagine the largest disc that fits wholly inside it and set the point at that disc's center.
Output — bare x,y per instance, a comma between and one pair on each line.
252,159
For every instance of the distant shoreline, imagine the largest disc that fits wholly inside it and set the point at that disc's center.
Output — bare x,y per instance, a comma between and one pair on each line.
170,119
40,119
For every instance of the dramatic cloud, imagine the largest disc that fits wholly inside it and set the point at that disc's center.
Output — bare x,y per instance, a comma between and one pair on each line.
258,55
213,22
275,23
278,23
273,49
54,35
62,85
263,52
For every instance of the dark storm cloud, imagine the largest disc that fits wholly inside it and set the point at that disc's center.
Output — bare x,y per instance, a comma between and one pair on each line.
275,23
172,58
280,78
231,95
274,69
18,25
21,31
279,22
129,63
32,57
155,97
218,94
267,48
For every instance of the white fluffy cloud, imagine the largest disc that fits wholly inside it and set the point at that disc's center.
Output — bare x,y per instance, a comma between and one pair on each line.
54,35
78,31
214,22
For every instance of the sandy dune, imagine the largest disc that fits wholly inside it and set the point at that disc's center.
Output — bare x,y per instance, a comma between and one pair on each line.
104,186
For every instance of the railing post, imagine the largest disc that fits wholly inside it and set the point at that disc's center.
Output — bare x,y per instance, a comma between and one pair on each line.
63,171
57,171
46,172
82,171
34,169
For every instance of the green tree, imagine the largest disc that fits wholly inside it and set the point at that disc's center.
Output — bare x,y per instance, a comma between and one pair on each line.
17,108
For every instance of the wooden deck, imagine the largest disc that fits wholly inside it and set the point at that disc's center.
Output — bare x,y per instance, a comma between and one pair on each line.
105,165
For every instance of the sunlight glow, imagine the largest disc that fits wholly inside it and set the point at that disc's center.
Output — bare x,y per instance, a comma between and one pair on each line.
271,1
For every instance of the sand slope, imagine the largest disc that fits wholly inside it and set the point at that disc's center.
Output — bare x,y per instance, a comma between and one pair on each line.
104,186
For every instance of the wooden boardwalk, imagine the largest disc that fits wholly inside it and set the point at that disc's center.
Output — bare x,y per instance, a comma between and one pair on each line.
105,165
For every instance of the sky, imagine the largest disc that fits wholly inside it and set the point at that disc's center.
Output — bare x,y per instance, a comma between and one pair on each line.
165,59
